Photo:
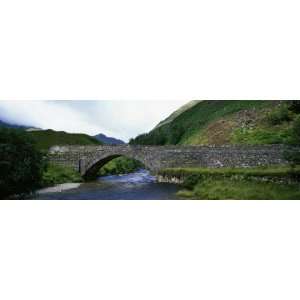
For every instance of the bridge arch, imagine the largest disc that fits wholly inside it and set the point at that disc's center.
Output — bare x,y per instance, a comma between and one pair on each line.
92,167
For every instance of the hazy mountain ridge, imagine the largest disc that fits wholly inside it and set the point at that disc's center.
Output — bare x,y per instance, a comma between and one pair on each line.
108,140
9,125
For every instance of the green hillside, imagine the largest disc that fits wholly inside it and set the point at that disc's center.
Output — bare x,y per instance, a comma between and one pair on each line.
47,138
228,122
178,112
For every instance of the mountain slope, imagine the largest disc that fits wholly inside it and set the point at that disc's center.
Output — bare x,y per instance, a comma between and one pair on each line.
48,138
108,140
178,112
224,122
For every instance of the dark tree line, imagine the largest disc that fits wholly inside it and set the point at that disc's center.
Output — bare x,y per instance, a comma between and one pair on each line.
21,164
160,136
295,106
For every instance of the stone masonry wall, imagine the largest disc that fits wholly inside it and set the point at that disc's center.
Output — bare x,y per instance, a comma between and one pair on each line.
88,159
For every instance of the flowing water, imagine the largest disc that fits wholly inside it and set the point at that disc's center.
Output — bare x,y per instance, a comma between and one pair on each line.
139,185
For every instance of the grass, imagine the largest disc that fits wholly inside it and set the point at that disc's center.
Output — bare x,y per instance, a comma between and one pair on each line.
274,171
237,183
56,174
258,136
241,190
47,138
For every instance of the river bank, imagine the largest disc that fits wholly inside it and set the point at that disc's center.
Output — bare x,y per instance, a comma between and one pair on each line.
58,188
278,182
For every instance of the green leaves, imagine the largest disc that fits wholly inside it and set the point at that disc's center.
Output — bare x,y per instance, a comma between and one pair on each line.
120,165
21,164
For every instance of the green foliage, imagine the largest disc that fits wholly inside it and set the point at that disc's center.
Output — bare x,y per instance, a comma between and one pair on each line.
272,171
120,165
156,137
293,158
212,189
236,183
177,131
21,164
279,115
47,138
191,180
257,136
182,128
295,132
56,174
295,106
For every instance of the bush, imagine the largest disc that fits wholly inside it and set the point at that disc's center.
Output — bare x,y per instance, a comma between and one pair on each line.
191,180
21,164
295,106
56,174
279,115
295,132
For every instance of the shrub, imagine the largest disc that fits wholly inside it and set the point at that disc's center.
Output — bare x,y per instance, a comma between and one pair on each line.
21,164
191,180
295,132
295,106
279,115
56,174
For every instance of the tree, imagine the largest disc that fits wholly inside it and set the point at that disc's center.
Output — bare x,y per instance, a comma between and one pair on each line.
21,164
295,106
295,132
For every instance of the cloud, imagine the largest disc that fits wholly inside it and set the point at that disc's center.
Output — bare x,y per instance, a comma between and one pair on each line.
120,119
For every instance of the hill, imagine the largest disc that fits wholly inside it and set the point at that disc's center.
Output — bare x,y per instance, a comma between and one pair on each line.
178,112
108,140
216,122
48,138
8,125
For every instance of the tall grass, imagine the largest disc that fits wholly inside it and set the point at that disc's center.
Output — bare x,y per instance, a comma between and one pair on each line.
210,189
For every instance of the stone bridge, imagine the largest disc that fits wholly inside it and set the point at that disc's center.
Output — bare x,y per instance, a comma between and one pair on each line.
89,159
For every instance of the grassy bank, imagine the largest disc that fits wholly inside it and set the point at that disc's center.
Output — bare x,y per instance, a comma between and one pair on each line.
241,189
278,182
56,174
273,171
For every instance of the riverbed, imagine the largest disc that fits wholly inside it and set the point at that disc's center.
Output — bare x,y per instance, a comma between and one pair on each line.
140,185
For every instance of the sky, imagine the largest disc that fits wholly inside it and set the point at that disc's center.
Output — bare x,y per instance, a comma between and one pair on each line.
119,119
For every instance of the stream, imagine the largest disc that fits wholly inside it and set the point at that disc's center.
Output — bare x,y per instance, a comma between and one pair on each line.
140,185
